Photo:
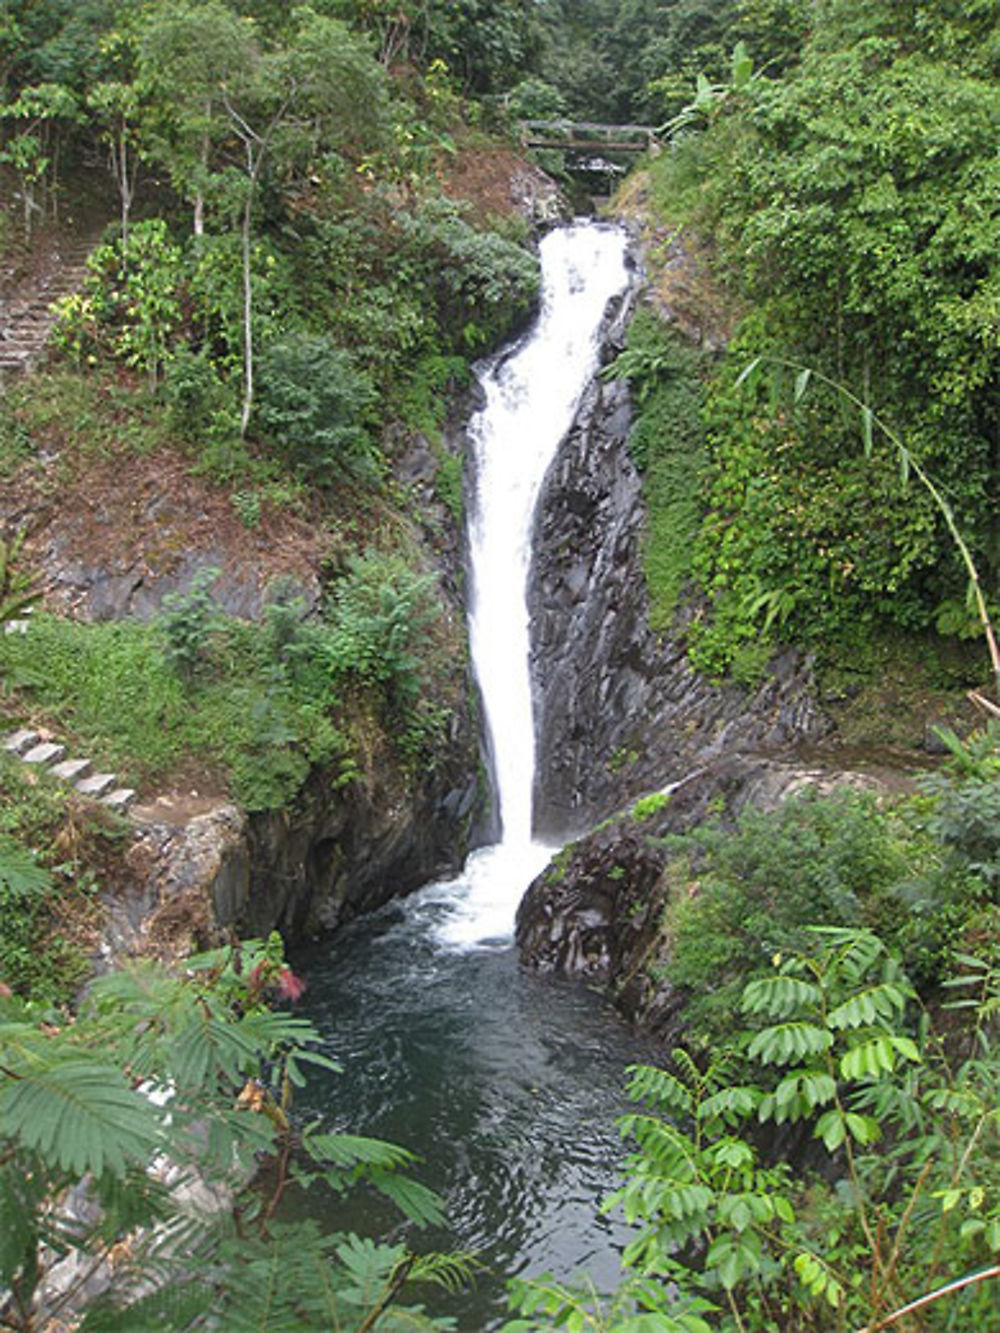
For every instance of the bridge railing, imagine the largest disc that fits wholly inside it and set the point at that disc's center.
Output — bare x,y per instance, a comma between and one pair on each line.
587,134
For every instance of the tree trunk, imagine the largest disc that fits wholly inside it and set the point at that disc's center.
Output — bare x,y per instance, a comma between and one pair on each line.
199,198
126,193
247,302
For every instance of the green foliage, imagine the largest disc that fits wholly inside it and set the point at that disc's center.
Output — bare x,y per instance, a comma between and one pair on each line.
647,806
382,624
845,200
667,446
19,591
187,623
908,1186
484,286
46,907
15,441
535,99
196,395
201,1045
314,405
763,885
260,703
129,305
21,877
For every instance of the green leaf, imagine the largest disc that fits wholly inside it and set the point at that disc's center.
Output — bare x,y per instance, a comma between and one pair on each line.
864,1129
20,874
742,66
660,1088
802,383
904,466
421,1205
797,1095
884,1001
831,1129
866,430
354,1149
779,996
79,1115
748,375
729,1104
868,1059
789,1041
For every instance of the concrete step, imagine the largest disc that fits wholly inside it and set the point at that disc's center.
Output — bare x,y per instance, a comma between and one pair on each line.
45,752
19,742
71,770
98,784
120,799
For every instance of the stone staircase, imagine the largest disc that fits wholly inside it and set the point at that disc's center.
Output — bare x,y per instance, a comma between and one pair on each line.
50,757
27,320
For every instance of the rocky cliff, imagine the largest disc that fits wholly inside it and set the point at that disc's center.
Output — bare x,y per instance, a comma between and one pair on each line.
619,709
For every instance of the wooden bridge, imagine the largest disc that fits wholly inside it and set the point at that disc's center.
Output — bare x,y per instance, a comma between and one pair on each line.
581,136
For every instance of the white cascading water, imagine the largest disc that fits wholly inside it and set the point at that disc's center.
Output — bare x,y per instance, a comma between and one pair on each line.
531,398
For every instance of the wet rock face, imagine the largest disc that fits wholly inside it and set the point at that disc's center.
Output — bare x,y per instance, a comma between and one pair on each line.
582,915
343,855
619,709
197,871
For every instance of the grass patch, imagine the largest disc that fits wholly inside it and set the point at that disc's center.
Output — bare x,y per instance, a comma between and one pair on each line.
111,689
256,705
87,415
15,439
46,934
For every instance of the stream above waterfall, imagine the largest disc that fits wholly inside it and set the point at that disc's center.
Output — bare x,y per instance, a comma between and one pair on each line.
506,1085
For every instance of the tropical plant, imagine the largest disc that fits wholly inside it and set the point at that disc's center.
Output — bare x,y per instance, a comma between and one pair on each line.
316,406
187,623
131,1146
19,590
869,421
904,1215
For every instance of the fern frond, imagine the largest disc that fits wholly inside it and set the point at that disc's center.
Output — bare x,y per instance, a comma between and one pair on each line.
21,876
79,1116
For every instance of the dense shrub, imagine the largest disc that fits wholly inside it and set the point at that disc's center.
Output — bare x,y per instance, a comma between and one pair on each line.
746,896
315,406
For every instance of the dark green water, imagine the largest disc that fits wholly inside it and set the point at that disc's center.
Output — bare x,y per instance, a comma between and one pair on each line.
506,1084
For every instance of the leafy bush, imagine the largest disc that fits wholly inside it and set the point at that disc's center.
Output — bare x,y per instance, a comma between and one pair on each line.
907,1186
48,852
72,1120
187,623
752,893
129,306
196,396
378,612
484,285
821,205
315,406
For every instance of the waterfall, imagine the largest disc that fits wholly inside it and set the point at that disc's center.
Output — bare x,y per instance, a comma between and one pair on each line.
506,1084
531,395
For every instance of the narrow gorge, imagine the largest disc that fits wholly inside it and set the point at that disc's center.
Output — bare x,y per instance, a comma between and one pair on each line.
508,1084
